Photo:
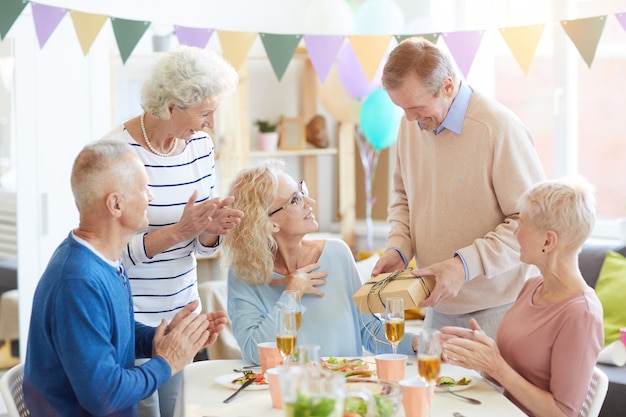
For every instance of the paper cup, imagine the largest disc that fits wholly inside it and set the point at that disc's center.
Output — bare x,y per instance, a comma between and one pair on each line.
416,397
269,355
390,366
273,379
622,335
613,354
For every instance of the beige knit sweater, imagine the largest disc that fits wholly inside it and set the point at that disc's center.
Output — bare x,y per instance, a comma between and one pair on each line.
457,193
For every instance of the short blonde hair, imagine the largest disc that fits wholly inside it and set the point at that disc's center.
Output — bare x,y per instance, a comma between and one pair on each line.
249,249
421,57
185,77
566,206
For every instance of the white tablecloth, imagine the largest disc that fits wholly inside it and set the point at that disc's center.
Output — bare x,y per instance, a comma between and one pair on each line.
202,396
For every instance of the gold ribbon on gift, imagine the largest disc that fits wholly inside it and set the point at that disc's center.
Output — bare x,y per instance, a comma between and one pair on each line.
376,289
378,286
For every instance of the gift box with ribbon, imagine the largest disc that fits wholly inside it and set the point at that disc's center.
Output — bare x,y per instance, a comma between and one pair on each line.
372,296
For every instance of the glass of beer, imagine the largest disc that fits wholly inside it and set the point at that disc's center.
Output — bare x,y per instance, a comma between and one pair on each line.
429,359
296,304
394,321
286,331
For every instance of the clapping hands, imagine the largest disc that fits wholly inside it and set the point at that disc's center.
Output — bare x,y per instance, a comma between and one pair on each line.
470,348
207,219
224,218
187,333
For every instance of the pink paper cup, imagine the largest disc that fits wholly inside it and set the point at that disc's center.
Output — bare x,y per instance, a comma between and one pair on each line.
273,379
269,355
390,366
622,335
415,397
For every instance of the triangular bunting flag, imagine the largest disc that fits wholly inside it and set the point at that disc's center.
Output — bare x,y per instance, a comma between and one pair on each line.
621,18
11,10
463,47
433,37
323,50
46,19
128,33
198,37
522,41
352,75
370,50
235,46
87,27
585,34
280,50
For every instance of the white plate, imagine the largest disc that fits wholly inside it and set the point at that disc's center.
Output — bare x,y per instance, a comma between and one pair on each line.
454,388
368,368
226,380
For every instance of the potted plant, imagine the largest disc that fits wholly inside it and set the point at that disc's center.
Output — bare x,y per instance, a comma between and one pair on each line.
268,134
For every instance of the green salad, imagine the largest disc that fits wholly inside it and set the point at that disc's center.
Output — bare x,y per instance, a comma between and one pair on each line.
309,407
357,405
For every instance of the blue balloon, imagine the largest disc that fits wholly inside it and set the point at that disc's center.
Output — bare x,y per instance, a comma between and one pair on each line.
380,119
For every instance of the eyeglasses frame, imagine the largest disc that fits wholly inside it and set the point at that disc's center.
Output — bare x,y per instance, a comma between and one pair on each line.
302,190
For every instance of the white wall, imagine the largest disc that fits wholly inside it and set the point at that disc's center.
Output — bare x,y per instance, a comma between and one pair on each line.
61,103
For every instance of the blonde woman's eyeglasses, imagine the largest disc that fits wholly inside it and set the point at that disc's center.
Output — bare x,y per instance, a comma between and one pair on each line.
297,199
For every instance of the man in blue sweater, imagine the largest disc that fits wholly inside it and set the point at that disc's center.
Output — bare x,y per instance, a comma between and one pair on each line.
83,339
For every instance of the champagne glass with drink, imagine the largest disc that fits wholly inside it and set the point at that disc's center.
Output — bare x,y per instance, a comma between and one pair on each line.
394,321
286,331
429,358
295,302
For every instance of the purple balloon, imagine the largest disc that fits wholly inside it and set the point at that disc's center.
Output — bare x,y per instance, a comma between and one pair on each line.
352,75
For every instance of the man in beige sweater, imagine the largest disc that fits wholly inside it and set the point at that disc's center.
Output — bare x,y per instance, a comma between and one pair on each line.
462,161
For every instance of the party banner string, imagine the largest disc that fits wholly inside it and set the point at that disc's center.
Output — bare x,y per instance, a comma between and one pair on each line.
584,33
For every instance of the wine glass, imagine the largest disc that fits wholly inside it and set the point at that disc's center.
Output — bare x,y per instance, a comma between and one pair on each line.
296,305
394,321
429,358
286,332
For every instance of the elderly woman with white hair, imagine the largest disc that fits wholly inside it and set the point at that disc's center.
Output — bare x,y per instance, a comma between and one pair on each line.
185,216
547,344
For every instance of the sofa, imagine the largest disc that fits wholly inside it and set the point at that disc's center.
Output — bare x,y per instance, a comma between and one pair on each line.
590,262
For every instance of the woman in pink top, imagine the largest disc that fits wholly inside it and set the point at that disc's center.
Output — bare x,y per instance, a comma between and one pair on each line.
547,344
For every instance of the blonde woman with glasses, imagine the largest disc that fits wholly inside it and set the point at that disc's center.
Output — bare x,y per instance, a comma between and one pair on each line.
269,253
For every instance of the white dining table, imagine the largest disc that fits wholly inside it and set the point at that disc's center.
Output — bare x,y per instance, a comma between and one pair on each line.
202,396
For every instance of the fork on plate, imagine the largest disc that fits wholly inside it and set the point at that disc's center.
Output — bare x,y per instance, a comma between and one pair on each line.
244,371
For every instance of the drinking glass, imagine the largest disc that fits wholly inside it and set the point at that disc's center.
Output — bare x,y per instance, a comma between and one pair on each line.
286,332
394,321
296,305
429,359
309,355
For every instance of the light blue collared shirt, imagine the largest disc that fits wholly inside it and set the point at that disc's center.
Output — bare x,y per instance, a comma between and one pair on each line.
456,113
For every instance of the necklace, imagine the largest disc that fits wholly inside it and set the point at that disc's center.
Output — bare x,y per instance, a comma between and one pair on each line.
145,137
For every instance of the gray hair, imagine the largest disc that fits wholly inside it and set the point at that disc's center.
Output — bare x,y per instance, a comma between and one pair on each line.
421,57
185,77
97,166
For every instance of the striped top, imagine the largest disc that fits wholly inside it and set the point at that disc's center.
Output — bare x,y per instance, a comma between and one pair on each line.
161,286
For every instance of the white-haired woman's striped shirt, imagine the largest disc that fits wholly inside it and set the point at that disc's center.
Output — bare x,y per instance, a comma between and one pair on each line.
161,286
